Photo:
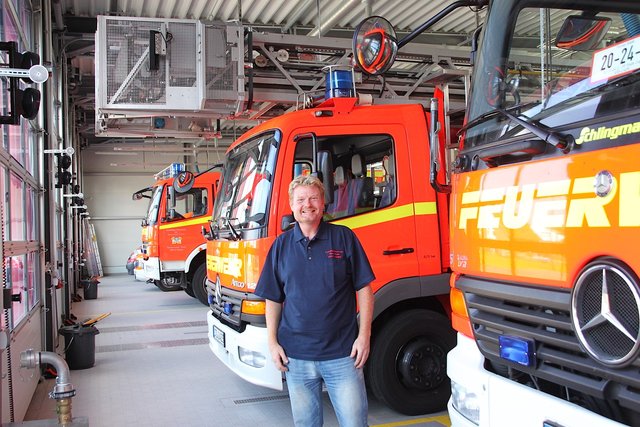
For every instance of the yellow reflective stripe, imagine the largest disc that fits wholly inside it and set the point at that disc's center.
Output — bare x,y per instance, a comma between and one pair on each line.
425,208
203,220
387,215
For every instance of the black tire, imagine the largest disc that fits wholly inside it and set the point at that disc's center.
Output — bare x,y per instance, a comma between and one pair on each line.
407,369
198,284
166,288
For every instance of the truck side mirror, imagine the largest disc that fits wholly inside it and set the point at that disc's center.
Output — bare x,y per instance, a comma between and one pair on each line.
183,182
375,45
287,222
582,33
325,168
206,234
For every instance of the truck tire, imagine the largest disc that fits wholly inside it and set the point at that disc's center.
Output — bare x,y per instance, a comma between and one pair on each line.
407,367
198,284
166,288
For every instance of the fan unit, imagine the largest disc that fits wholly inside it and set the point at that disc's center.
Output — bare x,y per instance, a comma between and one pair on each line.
169,66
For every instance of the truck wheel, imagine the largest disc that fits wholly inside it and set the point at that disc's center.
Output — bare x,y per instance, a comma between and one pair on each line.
407,368
198,284
166,288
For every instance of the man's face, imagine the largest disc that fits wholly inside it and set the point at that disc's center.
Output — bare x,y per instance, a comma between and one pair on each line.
307,205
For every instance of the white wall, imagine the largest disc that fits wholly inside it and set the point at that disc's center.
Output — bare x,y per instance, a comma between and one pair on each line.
109,180
115,216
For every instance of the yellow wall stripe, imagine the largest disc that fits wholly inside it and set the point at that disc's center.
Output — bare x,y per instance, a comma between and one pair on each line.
203,220
386,215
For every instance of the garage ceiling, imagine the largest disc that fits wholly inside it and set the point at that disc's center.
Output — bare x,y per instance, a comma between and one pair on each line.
295,16
75,23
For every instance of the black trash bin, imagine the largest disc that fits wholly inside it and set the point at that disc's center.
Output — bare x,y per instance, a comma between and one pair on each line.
90,289
80,345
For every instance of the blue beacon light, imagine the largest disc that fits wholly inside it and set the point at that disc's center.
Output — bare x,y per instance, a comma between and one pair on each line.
339,82
518,350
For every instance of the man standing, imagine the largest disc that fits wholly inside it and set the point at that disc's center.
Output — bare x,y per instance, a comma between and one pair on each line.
309,281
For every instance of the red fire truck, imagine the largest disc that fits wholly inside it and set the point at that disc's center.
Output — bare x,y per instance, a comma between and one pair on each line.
180,203
374,162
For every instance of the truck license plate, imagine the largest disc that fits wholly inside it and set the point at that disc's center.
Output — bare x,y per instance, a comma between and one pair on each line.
218,335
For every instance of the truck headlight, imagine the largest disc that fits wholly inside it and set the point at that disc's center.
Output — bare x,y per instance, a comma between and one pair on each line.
251,358
466,402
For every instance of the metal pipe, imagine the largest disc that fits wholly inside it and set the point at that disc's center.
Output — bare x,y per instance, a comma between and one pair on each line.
57,12
444,12
63,390
322,28
299,10
368,8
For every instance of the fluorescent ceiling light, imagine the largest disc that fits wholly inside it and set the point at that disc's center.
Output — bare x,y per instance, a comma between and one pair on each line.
111,153
171,149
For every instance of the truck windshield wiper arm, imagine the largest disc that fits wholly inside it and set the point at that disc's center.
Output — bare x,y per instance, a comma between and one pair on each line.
491,114
234,232
560,141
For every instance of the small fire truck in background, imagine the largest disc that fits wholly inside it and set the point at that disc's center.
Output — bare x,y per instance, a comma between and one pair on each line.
180,203
545,195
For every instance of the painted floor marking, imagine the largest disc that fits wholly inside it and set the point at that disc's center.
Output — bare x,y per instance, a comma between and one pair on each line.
442,419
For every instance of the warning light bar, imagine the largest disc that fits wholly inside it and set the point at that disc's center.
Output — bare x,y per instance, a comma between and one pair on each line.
170,171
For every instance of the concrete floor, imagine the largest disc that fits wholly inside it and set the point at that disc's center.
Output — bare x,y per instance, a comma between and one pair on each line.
153,367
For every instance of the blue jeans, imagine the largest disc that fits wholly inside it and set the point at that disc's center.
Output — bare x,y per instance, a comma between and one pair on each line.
345,385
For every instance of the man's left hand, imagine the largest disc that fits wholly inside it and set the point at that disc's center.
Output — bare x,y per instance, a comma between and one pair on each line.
360,350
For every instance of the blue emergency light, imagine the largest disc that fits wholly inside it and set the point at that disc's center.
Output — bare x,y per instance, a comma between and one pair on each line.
339,82
228,308
518,350
170,171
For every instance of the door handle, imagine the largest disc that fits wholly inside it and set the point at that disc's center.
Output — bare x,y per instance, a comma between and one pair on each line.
398,251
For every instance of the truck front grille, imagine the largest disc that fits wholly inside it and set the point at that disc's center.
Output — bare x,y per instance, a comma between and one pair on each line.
543,314
227,307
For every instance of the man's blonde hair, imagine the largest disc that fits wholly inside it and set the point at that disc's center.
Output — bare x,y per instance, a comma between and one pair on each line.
307,181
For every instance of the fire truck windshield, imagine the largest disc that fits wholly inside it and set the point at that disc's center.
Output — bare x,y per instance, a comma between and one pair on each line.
548,79
241,207
154,205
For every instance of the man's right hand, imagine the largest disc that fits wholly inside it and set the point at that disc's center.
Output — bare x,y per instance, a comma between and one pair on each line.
279,357
272,315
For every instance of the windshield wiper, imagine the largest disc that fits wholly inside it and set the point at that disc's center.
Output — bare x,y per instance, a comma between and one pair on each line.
491,114
234,232
560,141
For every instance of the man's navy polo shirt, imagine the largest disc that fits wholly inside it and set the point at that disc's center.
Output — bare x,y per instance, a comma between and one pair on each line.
316,280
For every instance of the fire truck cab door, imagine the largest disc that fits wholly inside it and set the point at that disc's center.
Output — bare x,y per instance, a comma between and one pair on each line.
372,189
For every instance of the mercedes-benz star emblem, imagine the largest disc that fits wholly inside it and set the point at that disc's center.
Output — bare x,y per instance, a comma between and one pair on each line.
605,311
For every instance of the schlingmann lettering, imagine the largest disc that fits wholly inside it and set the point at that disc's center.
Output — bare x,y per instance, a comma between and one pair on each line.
591,135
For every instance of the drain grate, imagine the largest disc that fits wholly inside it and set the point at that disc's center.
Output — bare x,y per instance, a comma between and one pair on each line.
261,399
148,345
152,326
